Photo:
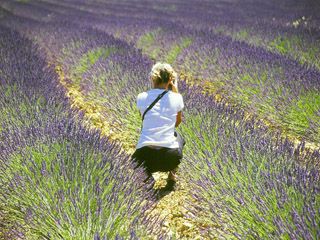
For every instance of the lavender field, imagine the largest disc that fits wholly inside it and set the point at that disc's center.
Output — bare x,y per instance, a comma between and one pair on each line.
70,72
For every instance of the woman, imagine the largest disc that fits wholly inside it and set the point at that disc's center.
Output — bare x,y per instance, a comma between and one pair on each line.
160,147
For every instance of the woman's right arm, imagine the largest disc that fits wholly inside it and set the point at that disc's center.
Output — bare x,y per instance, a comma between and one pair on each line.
174,85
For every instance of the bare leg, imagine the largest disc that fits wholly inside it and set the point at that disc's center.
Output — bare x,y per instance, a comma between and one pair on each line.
172,173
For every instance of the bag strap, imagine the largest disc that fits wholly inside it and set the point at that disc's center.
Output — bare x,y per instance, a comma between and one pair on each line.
153,103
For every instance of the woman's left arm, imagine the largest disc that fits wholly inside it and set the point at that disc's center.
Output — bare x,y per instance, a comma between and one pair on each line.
179,119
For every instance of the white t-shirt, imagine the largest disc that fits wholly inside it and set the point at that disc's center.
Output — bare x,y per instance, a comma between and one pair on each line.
159,121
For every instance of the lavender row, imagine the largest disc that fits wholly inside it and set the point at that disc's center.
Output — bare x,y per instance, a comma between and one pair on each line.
259,23
233,133
249,182
235,168
286,28
58,178
94,63
236,132
268,83
107,71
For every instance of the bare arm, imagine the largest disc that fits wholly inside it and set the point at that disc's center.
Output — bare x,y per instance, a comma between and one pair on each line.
179,119
174,85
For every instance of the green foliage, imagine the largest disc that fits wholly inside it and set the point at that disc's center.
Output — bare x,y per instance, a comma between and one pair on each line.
294,46
300,112
241,35
282,45
147,42
90,58
176,49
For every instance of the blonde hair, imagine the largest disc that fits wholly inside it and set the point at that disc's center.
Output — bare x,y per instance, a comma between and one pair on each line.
162,67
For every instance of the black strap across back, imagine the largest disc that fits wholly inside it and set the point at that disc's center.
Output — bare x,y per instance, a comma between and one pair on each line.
153,103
